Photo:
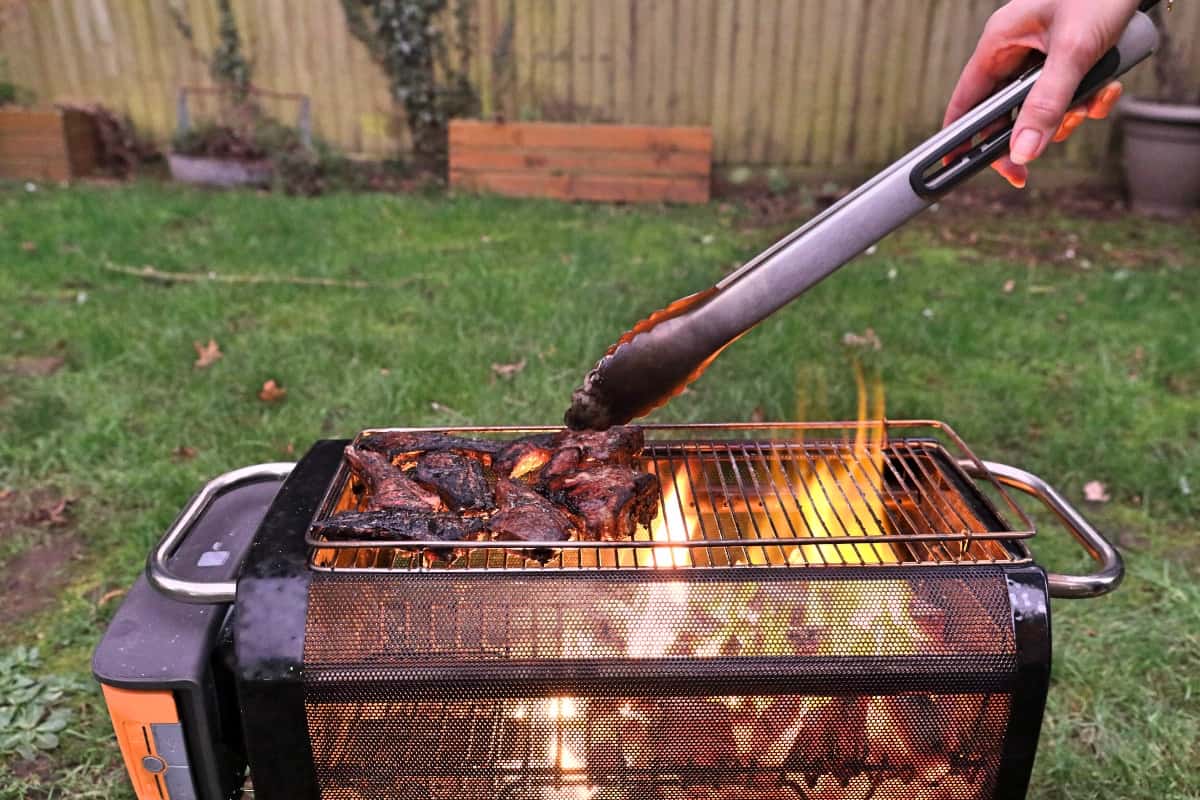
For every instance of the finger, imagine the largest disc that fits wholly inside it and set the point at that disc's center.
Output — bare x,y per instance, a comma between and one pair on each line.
985,70
1014,174
1103,102
1048,100
1071,121
973,85
999,52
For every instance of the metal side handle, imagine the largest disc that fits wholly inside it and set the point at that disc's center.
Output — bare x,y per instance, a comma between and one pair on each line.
1111,567
158,570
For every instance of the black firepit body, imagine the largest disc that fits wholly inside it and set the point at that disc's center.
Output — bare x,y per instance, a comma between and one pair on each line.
846,616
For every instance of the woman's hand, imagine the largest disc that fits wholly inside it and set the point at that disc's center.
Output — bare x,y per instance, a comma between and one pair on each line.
1073,34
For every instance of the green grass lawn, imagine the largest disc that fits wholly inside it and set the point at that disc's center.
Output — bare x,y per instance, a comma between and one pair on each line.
1086,367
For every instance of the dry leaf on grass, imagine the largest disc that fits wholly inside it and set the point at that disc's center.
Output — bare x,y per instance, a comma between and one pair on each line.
109,596
1009,285
444,409
53,516
507,371
33,366
183,453
272,392
1095,492
867,339
29,247
206,354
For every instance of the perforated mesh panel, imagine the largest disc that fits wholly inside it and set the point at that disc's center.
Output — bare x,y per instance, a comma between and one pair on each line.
743,746
732,684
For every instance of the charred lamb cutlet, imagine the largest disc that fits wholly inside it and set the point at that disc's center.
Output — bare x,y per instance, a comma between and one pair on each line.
458,480
525,515
407,446
399,523
545,456
396,524
524,456
612,500
615,446
387,487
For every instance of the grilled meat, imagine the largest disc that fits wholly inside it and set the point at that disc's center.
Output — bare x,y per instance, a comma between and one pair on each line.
544,456
613,500
524,456
408,445
399,524
543,488
526,515
564,460
459,480
387,487
620,445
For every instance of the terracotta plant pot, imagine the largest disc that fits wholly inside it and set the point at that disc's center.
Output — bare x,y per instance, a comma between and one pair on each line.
1161,156
219,171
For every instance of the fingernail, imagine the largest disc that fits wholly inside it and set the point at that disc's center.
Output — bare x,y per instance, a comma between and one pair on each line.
1075,119
1110,95
1025,147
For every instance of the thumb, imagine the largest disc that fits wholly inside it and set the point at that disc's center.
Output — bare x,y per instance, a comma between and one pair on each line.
1047,103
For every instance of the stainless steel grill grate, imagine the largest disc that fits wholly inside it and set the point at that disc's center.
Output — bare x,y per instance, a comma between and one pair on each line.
757,496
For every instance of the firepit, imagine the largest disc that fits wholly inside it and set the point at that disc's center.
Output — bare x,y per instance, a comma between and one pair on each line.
816,611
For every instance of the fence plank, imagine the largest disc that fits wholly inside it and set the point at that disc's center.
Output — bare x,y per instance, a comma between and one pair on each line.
603,54
825,98
161,89
722,82
664,53
702,46
683,60
742,116
561,60
762,80
579,54
641,27
783,84
873,118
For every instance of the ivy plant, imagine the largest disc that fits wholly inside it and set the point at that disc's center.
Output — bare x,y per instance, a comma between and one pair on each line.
406,38
228,65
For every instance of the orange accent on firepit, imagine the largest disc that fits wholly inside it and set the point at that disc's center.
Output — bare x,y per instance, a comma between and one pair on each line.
133,712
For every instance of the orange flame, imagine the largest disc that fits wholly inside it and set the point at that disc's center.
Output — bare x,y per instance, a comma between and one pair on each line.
677,522
843,498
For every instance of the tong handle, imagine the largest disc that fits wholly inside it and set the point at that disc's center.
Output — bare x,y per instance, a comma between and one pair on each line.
962,159
1111,569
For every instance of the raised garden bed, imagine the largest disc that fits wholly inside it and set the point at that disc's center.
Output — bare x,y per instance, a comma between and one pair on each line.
47,144
615,163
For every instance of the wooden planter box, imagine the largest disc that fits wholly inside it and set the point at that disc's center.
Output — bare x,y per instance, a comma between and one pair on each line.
47,145
615,163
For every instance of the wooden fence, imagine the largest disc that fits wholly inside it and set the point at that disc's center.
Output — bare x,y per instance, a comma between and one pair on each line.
824,83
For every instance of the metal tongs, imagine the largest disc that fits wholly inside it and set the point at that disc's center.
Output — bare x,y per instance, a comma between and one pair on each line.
668,350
